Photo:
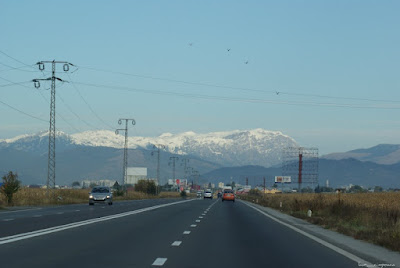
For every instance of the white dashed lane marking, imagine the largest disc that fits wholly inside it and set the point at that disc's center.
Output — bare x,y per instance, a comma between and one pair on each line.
197,220
59,213
8,219
37,216
176,243
186,232
200,217
193,225
159,262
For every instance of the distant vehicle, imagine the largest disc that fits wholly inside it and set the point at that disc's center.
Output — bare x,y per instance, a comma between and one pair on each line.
100,194
208,194
199,194
228,195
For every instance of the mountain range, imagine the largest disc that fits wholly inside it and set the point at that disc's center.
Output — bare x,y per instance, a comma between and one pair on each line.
218,156
229,148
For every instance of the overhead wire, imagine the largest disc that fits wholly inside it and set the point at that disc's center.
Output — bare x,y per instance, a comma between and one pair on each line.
11,68
88,105
276,92
73,112
233,99
22,112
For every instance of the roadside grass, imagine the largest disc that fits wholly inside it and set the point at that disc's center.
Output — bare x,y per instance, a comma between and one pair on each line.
373,217
38,197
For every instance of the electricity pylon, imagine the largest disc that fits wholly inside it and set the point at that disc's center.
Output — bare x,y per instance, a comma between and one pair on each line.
125,163
185,165
158,147
172,160
51,162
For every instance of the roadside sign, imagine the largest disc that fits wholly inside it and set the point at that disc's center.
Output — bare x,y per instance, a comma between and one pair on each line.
283,179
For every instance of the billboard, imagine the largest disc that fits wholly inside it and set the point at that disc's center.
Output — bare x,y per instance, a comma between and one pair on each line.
283,179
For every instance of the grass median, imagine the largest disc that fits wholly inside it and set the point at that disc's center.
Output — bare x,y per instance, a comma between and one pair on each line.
38,197
373,217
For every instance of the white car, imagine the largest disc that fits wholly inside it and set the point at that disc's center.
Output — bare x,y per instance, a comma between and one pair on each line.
208,194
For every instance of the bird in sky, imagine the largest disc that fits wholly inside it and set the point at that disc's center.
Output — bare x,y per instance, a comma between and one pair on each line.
190,44
277,92
246,62
228,49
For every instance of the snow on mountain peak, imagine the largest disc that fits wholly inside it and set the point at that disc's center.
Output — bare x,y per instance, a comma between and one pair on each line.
231,148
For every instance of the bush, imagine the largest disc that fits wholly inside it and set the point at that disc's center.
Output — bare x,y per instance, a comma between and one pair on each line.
146,186
10,186
183,194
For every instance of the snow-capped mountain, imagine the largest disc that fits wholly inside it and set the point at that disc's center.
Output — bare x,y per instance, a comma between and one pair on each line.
229,148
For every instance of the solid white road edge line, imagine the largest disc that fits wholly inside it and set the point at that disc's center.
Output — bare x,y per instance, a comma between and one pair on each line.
316,239
13,238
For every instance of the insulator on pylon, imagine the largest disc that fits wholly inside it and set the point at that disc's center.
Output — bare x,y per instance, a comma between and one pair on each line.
41,66
36,84
66,67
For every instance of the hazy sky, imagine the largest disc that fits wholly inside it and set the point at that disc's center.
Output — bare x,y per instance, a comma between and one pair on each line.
323,72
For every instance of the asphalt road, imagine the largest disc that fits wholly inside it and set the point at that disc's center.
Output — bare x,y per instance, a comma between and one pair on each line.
157,233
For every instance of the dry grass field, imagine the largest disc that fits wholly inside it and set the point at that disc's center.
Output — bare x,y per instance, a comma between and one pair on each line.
38,197
373,217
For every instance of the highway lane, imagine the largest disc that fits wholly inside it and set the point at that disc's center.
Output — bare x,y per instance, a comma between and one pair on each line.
20,221
199,233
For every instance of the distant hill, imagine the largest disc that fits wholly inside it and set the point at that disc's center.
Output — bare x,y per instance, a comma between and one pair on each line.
228,148
95,163
386,154
338,172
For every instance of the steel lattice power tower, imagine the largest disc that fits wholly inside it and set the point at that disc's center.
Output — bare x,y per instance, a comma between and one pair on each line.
172,160
158,147
125,163
51,171
301,163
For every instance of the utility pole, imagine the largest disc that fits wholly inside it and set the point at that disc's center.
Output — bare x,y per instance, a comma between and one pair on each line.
185,164
51,162
125,163
264,185
196,176
158,147
172,160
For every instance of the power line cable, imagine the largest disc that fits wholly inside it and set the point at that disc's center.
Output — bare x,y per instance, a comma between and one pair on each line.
11,68
90,108
72,111
245,100
22,112
2,52
276,92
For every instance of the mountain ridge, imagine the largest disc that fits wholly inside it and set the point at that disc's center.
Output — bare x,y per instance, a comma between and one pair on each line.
227,148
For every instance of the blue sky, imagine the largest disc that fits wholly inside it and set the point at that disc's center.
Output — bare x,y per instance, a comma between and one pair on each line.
335,65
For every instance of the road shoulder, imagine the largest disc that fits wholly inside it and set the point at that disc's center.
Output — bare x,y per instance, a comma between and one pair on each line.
370,252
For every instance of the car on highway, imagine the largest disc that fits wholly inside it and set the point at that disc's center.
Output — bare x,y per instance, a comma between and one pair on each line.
208,194
199,194
228,195
100,194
